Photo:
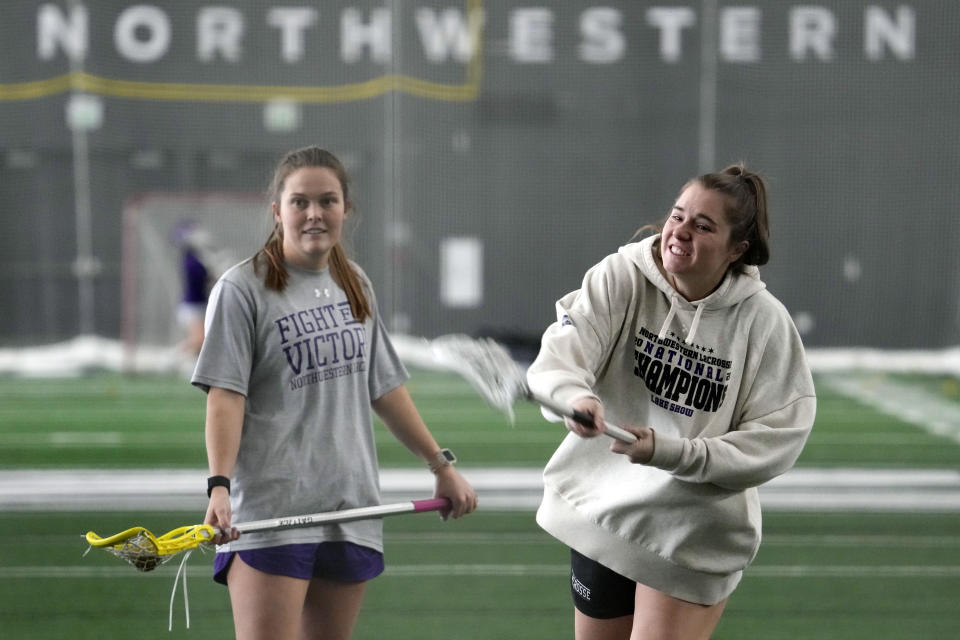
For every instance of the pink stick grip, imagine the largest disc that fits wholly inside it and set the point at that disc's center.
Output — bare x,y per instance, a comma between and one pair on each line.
433,504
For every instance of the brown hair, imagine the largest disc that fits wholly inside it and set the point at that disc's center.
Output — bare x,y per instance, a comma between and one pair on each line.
342,272
746,211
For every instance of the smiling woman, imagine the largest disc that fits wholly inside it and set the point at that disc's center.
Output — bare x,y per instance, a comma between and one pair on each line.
311,209
677,339
311,199
294,358
695,248
719,221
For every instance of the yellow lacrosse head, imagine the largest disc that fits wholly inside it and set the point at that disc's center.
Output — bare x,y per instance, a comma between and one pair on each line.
145,551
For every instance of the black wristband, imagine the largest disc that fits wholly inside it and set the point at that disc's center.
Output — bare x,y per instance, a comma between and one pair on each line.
217,481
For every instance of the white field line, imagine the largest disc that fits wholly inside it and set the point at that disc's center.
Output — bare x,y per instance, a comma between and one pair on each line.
512,489
919,407
504,571
116,439
82,353
458,539
101,439
768,571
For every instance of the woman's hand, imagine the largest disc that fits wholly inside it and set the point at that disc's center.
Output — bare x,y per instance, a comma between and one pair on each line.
401,417
453,486
639,452
219,514
592,407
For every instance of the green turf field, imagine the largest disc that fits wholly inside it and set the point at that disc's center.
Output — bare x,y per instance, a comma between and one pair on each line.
110,421
493,574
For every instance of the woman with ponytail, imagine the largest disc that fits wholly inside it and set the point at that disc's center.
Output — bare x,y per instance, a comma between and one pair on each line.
676,339
295,357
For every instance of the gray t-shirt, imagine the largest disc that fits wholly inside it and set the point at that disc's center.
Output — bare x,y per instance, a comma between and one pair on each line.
309,372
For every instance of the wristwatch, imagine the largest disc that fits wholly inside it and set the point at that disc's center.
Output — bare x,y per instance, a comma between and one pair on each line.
443,458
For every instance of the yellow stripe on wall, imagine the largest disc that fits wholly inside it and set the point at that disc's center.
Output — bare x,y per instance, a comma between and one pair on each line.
141,90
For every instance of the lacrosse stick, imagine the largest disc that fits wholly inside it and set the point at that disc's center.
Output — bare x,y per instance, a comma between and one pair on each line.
146,551
488,367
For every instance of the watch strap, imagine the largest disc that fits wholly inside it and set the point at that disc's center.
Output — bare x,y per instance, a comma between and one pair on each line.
443,458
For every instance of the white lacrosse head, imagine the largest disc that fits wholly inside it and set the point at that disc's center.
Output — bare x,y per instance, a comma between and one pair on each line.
486,365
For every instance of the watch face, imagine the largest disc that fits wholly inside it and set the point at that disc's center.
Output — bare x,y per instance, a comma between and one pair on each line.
448,455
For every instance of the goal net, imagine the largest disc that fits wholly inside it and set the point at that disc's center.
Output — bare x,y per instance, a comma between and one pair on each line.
220,229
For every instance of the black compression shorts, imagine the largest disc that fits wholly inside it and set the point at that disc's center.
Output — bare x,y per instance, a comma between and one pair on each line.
599,592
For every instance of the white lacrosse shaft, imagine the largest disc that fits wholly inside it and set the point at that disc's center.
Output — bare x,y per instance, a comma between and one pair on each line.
345,515
615,432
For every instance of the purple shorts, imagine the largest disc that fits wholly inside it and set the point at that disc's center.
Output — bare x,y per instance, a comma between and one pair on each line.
340,561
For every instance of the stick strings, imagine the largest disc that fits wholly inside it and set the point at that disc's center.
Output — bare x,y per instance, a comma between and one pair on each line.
486,365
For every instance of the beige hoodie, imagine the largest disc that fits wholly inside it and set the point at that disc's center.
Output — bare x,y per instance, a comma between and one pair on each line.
724,383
